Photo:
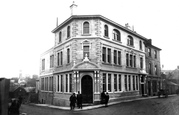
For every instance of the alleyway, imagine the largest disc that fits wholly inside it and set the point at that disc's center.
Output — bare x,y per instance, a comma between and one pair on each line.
156,106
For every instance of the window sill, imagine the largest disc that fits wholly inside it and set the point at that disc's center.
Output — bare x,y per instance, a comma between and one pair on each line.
116,41
130,45
106,37
117,65
67,38
59,66
131,67
106,63
67,64
86,34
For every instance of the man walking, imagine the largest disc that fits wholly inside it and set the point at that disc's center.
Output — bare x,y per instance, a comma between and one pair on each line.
72,101
79,100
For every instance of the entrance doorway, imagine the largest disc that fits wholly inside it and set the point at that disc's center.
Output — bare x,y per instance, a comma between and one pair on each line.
87,89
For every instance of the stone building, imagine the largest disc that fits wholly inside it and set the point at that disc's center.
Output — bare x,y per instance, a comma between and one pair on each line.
92,53
153,68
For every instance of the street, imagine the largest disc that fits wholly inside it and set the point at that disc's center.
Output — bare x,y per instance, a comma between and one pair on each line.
156,106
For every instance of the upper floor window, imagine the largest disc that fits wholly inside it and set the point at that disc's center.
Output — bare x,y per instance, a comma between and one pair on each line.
116,35
68,31
43,64
141,62
130,41
155,69
149,51
51,61
140,44
106,30
155,53
150,68
109,55
86,47
104,54
60,37
86,28
68,55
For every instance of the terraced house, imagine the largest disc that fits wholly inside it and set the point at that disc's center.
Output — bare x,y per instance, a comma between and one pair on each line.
93,54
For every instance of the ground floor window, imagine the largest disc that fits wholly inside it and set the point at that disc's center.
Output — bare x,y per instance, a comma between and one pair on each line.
64,83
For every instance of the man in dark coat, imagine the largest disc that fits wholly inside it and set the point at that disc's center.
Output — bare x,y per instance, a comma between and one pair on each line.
103,97
106,99
79,100
72,101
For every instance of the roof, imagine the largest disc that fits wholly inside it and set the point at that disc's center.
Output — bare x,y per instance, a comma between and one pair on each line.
96,17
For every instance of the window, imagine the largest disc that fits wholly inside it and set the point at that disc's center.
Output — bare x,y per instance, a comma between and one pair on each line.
51,84
58,59
150,68
155,54
85,51
140,44
131,60
70,83
68,55
116,35
46,84
51,61
127,59
149,51
109,55
115,56
68,31
106,30
104,54
86,28
119,82
119,57
42,83
134,61
58,83
67,83
104,81
43,64
141,62
137,83
115,82
61,57
130,41
125,82
60,37
109,82
133,79
155,69
129,82
62,84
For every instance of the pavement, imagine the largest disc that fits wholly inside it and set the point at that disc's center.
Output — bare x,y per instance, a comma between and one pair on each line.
96,106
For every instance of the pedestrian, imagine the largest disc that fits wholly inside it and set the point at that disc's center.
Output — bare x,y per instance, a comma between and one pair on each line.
79,100
72,101
14,108
106,99
103,97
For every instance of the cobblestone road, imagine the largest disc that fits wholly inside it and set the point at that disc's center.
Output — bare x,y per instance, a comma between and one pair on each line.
157,106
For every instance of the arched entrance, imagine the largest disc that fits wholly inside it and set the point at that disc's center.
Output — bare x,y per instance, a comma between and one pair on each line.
87,89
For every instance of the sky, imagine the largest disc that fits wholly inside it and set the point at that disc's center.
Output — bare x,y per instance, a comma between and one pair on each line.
26,25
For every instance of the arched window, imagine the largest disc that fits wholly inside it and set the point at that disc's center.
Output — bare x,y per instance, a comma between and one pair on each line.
106,30
116,35
68,31
86,28
130,41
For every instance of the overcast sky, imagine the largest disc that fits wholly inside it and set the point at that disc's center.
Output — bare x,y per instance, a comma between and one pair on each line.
26,25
